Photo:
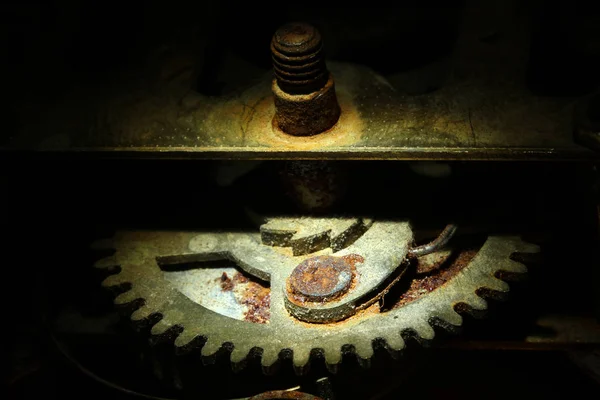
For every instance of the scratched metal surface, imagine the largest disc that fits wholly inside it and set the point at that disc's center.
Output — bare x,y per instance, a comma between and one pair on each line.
482,111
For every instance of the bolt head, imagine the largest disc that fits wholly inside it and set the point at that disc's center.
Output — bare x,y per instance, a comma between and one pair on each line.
322,278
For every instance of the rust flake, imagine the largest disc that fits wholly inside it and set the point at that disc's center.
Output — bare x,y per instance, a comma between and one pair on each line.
258,300
252,294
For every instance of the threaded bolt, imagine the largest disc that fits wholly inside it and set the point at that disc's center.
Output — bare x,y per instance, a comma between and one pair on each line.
298,59
304,90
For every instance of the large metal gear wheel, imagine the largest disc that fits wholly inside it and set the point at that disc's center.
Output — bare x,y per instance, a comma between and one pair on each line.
136,267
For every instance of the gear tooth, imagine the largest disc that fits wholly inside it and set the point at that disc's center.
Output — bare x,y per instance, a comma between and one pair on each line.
238,357
163,332
496,285
425,331
160,327
333,358
185,339
364,351
269,359
513,266
127,297
394,344
107,262
209,351
451,317
526,247
114,280
301,358
476,302
141,313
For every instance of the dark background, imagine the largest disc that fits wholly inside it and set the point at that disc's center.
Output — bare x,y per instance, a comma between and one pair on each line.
51,209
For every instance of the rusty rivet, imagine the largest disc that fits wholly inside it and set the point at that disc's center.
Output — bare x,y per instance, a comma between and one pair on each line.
321,278
303,88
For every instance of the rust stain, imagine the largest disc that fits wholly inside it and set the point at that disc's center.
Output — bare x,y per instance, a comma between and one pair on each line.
252,294
422,286
354,259
320,278
258,301
428,266
226,282
240,278
247,121
254,117
346,131
306,115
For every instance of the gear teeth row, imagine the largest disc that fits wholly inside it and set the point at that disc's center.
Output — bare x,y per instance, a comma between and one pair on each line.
446,315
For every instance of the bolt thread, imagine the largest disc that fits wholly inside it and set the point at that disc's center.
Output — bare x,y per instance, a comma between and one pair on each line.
298,62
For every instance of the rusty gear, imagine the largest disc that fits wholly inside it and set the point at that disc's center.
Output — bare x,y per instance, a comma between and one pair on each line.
140,254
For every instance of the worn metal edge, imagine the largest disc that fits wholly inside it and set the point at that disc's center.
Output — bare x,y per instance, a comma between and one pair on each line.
578,153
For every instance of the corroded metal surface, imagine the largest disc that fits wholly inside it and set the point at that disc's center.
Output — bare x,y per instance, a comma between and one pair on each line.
463,120
306,114
382,249
225,290
140,256
481,110
321,278
303,88
308,235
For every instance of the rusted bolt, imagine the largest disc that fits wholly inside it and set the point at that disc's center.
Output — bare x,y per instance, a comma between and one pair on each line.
321,278
303,88
314,185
